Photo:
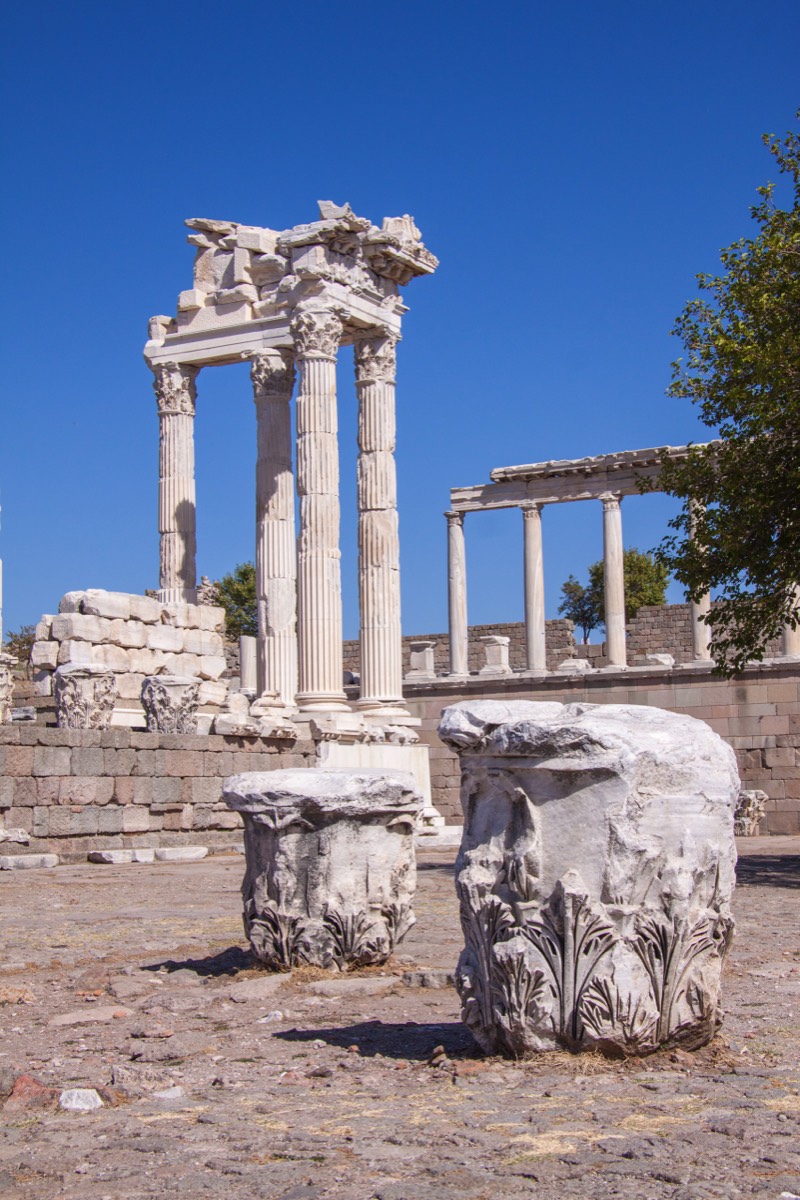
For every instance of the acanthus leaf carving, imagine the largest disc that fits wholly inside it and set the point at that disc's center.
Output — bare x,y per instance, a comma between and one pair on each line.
272,374
317,333
376,359
174,386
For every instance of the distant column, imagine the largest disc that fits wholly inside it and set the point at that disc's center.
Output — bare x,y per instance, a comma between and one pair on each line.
177,506
457,594
316,336
701,632
614,580
791,637
536,653
272,373
378,536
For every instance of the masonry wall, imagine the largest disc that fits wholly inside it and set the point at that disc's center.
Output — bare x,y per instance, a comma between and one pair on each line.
80,790
758,714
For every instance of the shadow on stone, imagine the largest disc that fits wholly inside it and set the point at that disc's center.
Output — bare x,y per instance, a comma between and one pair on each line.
768,870
409,1040
226,962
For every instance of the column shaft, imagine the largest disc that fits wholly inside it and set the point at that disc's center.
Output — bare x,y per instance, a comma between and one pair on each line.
378,538
276,552
177,520
701,633
535,647
614,580
457,594
790,641
319,583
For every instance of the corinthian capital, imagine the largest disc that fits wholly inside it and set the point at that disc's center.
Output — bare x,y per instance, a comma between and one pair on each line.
376,359
272,373
175,388
317,333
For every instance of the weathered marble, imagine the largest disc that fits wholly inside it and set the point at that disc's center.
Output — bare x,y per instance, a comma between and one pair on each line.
594,876
7,664
330,863
85,696
749,812
170,703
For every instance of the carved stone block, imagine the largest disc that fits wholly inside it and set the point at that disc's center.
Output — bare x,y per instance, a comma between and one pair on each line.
594,876
7,664
170,703
749,812
330,863
85,696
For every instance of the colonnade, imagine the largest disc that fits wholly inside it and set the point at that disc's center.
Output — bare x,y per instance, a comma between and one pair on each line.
613,579
298,579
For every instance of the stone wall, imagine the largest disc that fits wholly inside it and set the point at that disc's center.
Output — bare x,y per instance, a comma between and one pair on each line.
80,790
133,636
559,635
758,714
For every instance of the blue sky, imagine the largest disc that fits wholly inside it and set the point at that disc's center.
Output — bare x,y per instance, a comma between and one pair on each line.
573,166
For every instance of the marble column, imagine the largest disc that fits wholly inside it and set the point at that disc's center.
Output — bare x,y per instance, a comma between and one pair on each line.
701,632
614,580
790,641
378,538
316,336
536,655
272,373
177,517
457,594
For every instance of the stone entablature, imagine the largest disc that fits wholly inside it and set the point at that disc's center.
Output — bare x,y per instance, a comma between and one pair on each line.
134,637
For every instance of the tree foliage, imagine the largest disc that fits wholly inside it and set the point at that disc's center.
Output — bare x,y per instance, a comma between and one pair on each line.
19,642
579,605
646,582
738,532
236,592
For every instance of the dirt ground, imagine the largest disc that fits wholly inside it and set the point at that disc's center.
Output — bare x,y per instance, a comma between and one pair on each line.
219,1080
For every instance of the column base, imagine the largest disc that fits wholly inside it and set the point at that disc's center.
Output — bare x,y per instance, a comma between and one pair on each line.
177,595
322,702
371,707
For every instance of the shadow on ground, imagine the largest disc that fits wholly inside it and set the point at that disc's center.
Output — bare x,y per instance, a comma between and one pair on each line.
768,870
408,1040
225,962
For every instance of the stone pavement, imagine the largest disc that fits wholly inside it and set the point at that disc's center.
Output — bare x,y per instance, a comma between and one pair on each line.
220,1080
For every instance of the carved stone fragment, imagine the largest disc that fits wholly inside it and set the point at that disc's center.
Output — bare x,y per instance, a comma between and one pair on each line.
7,664
594,876
749,812
170,703
330,863
85,696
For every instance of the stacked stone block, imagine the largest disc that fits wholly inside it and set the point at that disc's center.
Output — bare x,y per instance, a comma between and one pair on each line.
79,790
133,636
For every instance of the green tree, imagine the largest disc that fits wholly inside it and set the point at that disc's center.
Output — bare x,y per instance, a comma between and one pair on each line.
738,532
236,592
579,605
19,642
646,580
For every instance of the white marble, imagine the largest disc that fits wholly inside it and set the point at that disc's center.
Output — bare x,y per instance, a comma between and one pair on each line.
595,875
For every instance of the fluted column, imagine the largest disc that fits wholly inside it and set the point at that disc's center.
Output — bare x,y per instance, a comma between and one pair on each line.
378,538
701,632
177,518
614,580
319,580
272,373
535,650
457,594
